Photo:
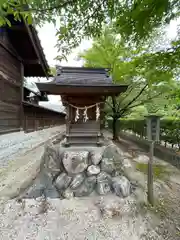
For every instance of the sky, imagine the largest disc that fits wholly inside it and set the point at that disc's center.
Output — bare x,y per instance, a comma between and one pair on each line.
47,35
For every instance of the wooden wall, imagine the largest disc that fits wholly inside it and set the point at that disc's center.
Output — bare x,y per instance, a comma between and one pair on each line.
14,113
37,117
10,87
81,102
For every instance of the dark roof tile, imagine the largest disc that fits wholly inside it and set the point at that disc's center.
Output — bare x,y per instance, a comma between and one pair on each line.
82,76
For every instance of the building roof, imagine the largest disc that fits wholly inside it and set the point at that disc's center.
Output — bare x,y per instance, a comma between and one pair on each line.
80,90
53,106
26,43
42,108
81,81
82,76
29,90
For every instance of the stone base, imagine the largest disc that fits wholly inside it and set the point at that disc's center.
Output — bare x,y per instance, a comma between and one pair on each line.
66,144
79,172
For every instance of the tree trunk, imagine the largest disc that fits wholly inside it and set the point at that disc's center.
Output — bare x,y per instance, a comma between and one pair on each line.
114,127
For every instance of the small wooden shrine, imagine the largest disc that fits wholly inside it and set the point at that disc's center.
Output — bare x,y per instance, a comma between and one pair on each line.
83,92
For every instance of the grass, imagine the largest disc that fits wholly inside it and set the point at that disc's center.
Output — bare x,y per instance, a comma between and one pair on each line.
159,171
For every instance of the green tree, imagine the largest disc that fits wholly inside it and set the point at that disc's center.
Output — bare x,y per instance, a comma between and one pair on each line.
53,71
134,67
135,19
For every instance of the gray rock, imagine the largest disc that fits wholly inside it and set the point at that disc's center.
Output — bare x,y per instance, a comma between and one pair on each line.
68,193
121,186
77,181
126,163
103,176
107,165
116,174
103,187
62,181
86,188
112,152
75,162
93,170
96,157
52,162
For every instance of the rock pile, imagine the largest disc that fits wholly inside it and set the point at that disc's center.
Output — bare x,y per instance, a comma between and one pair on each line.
78,173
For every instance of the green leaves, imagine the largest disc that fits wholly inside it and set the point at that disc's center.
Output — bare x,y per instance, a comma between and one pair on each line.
134,20
149,75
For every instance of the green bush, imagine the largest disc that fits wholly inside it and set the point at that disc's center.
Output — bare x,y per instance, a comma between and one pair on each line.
169,128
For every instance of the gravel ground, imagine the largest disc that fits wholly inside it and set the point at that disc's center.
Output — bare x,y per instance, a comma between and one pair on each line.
167,192
76,219
15,144
91,218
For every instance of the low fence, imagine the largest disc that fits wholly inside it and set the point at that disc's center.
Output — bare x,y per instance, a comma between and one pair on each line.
135,131
37,117
166,154
169,129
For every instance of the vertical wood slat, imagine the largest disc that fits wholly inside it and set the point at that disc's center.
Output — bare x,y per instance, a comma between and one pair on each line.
22,96
11,79
39,118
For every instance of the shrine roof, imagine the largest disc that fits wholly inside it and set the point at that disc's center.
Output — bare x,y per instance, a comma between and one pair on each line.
82,76
82,81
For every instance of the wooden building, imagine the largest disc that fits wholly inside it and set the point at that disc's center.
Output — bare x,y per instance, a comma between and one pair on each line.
32,96
83,92
21,55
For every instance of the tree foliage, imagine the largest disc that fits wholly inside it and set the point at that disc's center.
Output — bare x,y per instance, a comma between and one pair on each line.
150,83
169,129
146,80
133,19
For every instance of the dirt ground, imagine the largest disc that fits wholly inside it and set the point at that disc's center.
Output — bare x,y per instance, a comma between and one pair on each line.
166,191
95,217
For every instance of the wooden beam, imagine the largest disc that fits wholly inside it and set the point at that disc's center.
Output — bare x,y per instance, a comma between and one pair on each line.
35,47
31,62
13,53
18,28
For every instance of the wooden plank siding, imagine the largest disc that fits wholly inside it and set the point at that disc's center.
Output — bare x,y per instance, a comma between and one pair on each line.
10,89
37,117
15,113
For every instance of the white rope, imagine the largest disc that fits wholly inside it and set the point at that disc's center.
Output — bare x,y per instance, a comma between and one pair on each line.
86,107
85,116
97,112
77,115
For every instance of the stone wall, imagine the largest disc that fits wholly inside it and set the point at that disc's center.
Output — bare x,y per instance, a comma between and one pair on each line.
79,172
168,155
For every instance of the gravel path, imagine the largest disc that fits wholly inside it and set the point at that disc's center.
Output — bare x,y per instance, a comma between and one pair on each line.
92,218
15,144
76,219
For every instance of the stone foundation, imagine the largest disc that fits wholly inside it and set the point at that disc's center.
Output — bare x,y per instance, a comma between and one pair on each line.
79,172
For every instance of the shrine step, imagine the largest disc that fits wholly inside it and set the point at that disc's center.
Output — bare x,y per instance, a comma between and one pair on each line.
83,140
83,134
82,143
88,126
84,131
